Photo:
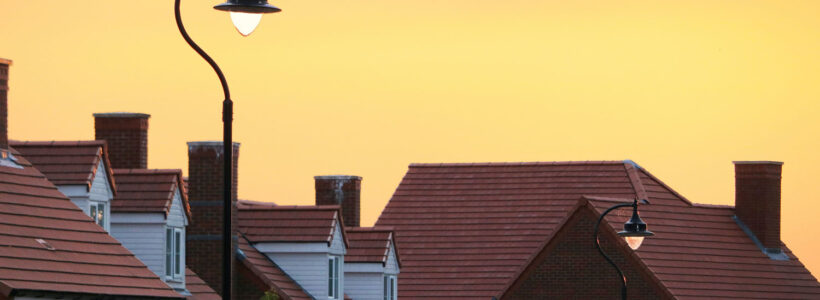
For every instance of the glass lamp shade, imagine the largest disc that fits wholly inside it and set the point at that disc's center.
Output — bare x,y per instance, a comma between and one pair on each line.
246,14
634,241
245,23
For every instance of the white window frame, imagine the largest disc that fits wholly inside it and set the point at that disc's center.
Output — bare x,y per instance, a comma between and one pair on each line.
334,276
390,287
98,212
174,259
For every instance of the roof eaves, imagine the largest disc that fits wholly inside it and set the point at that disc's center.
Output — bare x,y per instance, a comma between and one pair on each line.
241,256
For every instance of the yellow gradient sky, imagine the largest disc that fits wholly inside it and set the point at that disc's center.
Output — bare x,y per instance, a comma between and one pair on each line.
366,87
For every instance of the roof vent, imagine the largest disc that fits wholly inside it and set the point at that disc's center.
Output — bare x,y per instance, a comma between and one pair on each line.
45,244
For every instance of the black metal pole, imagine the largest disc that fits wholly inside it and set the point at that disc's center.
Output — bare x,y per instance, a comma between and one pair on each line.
227,143
598,243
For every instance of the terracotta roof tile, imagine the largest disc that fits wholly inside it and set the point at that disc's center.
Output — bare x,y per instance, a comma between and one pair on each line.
700,251
261,222
48,244
198,288
148,190
67,162
466,229
269,273
369,244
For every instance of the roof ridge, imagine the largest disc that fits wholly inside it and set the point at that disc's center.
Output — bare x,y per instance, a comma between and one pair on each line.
631,169
505,164
70,143
292,207
146,171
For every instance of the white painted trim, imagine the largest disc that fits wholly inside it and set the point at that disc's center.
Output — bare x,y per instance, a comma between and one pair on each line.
292,247
356,267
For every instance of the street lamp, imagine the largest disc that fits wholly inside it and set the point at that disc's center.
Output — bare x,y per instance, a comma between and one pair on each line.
245,15
634,232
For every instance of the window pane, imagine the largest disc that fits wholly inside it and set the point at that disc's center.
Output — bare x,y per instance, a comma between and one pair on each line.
177,250
101,214
168,250
330,277
392,288
93,213
336,277
386,290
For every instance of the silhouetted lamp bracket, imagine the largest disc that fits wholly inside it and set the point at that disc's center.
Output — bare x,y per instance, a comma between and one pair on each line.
634,232
246,14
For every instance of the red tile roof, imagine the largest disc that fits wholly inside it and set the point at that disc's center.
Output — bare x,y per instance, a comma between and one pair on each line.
48,244
67,162
269,273
261,222
148,190
467,229
198,288
369,244
699,251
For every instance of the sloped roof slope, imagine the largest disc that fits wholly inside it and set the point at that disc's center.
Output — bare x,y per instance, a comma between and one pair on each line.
198,288
269,273
261,222
148,190
700,252
369,244
47,244
67,162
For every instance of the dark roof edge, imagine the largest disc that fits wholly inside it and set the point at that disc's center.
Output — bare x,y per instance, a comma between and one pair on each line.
75,295
500,164
772,253
241,256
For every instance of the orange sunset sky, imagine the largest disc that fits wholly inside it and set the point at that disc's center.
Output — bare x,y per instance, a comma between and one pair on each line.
365,87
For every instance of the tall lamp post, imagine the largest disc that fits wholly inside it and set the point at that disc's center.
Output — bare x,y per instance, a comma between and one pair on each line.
245,15
634,232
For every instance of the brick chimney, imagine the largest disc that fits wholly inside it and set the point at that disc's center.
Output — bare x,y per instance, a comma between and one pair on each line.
127,138
341,190
4,103
757,200
204,233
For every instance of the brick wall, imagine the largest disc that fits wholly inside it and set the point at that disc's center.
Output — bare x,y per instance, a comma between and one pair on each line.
205,195
573,269
4,105
341,190
757,199
127,138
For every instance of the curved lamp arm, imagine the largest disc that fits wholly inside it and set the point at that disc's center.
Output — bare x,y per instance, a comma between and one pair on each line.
227,144
201,52
598,243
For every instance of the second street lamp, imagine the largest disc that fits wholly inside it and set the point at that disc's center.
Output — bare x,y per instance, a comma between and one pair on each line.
634,232
245,15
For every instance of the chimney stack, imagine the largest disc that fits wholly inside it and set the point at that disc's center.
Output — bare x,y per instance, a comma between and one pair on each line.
757,200
4,103
127,138
341,190
204,233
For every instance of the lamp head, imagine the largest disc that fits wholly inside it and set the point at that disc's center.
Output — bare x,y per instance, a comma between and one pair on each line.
246,14
635,229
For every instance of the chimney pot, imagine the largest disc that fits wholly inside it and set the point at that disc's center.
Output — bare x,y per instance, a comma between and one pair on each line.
343,190
757,200
127,137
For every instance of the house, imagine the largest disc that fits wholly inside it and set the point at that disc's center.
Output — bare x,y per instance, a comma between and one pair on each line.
296,252
52,249
371,264
524,231
145,209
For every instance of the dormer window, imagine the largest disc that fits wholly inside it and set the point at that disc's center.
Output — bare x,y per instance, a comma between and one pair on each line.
390,288
173,253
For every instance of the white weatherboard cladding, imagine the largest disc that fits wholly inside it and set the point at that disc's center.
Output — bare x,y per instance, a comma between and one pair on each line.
337,244
176,215
144,235
100,187
391,267
308,270
145,240
364,286
307,263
